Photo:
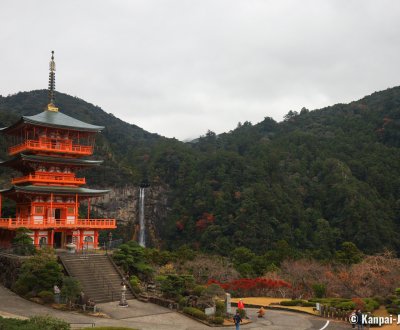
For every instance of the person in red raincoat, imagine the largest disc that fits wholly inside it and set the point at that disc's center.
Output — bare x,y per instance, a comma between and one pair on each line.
240,304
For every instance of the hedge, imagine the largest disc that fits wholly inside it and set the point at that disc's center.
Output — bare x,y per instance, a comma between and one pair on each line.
195,313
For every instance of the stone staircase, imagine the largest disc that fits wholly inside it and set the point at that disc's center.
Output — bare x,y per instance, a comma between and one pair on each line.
98,275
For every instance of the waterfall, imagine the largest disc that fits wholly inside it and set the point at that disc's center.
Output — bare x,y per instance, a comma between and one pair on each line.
142,224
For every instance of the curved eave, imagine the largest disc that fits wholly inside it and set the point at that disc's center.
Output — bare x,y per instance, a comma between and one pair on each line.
85,192
15,162
55,120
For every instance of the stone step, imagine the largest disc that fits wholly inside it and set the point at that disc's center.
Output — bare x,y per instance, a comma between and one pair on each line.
81,267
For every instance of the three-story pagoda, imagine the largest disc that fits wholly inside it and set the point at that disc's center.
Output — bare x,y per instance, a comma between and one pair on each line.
48,149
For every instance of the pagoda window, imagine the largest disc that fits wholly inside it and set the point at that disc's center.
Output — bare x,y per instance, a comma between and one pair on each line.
89,239
41,169
58,199
71,210
39,210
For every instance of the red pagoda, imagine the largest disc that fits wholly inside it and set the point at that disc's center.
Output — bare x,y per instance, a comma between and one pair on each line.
48,149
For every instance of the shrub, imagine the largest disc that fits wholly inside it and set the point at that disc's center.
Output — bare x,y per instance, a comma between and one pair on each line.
134,281
218,320
347,305
371,304
173,285
135,284
294,302
380,300
393,310
70,289
39,273
308,304
21,288
23,244
389,299
198,290
319,290
334,302
14,324
183,302
47,296
195,313
49,323
219,308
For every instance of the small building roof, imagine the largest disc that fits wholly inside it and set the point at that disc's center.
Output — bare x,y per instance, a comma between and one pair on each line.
54,119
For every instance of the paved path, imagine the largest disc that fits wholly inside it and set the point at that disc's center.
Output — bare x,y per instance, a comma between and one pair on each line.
146,316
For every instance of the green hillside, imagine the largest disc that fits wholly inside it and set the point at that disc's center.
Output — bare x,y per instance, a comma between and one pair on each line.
299,187
120,144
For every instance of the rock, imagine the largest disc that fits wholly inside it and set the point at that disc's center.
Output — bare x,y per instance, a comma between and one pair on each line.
123,205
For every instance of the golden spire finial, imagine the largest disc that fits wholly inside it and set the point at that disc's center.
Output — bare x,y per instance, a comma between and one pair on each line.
52,84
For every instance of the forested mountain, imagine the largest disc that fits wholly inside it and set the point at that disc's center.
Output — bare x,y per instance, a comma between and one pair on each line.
120,144
299,187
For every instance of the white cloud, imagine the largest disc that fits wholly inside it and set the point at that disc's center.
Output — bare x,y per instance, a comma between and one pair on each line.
181,67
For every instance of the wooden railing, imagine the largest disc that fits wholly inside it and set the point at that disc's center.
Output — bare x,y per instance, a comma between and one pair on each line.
11,223
61,147
58,178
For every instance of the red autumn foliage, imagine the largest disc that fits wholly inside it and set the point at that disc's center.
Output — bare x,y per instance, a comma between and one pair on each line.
206,220
179,225
359,303
251,286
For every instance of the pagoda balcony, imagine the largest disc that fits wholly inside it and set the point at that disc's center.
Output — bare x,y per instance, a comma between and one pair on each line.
14,223
49,178
59,147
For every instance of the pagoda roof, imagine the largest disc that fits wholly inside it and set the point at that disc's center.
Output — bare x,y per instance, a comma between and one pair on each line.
59,190
47,159
54,119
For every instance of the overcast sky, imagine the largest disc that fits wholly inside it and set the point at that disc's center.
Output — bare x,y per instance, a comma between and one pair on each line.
181,67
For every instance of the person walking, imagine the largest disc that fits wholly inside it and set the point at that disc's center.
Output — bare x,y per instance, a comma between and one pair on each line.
237,319
360,324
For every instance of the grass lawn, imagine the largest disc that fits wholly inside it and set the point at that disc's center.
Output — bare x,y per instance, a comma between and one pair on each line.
259,301
266,301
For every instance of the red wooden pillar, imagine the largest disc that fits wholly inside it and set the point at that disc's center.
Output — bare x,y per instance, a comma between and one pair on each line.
88,208
51,209
96,239
36,238
50,237
81,231
76,208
